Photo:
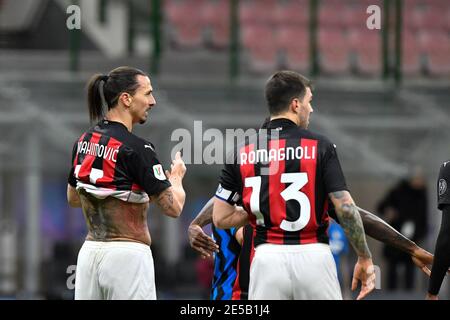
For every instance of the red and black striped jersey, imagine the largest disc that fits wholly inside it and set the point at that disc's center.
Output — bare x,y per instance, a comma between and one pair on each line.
240,288
283,177
108,160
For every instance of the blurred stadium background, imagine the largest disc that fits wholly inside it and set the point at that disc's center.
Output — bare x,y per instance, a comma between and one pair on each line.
381,95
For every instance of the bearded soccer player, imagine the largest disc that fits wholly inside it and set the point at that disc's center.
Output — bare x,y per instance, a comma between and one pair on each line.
285,186
114,176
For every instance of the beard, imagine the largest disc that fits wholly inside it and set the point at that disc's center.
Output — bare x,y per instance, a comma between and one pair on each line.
143,119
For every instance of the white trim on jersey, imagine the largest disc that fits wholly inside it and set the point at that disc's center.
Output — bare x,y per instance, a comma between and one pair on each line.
124,195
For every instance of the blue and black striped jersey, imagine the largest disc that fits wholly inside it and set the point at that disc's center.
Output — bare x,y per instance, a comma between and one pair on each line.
225,263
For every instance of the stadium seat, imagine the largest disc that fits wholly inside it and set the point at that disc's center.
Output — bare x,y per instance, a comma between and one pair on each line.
354,17
436,46
262,54
216,17
293,13
189,35
260,11
354,14
294,43
429,18
187,23
447,24
333,51
220,35
411,56
366,44
328,16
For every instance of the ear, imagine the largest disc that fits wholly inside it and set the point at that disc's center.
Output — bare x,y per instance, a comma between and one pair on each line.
125,98
295,105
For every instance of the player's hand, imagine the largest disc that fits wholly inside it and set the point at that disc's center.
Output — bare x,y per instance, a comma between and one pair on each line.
201,242
177,168
431,297
422,259
364,272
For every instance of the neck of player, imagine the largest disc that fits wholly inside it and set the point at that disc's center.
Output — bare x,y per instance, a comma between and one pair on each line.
121,116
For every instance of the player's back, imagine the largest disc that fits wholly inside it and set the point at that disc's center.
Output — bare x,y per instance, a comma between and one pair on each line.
285,183
113,173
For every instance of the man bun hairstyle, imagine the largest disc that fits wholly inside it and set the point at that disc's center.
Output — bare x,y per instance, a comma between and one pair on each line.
108,88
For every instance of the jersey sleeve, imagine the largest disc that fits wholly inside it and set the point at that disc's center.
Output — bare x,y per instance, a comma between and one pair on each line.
441,261
147,171
71,178
442,186
229,188
333,176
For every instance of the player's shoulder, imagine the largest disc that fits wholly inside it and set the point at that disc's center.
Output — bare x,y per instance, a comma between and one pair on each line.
308,134
139,144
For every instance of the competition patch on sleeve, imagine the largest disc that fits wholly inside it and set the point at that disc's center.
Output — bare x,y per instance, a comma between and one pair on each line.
442,186
159,172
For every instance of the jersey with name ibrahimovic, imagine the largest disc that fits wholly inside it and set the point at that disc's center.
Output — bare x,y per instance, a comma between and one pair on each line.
284,184
108,160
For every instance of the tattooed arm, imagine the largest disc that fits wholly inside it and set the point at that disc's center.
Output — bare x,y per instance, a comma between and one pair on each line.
350,220
171,200
73,198
199,240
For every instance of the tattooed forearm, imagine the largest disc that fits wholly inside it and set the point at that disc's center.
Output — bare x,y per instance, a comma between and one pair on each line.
165,200
350,221
381,231
204,217
353,227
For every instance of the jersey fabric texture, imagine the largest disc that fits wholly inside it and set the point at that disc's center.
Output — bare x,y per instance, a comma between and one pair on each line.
225,263
284,183
108,160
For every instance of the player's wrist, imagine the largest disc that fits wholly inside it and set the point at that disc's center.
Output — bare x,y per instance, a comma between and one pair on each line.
416,251
365,259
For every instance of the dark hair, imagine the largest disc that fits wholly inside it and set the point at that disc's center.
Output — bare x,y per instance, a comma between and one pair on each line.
282,87
119,80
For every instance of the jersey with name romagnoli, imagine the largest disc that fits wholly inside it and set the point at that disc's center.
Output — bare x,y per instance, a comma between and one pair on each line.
284,177
108,160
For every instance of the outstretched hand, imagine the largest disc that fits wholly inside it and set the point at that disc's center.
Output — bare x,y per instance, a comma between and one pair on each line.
201,242
423,260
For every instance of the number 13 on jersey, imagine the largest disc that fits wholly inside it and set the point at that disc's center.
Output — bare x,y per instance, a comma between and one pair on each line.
298,180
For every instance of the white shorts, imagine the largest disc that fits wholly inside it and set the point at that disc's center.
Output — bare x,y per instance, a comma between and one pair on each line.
115,270
294,272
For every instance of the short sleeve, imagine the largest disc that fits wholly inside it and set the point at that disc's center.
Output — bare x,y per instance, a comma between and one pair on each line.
229,188
442,185
71,180
147,171
333,176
